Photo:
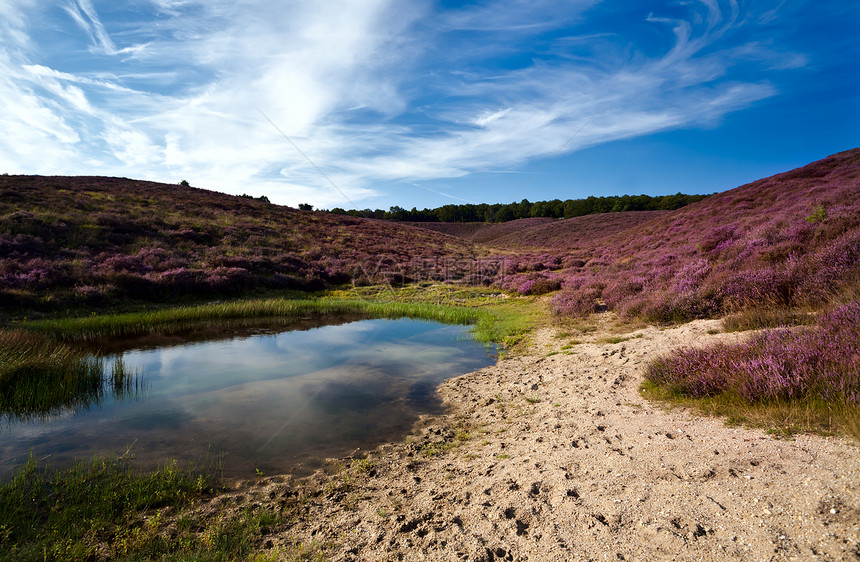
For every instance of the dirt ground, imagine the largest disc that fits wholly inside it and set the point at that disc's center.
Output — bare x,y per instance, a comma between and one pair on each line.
557,457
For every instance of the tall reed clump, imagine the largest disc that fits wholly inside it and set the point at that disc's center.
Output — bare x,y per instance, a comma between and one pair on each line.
37,375
190,317
815,364
40,377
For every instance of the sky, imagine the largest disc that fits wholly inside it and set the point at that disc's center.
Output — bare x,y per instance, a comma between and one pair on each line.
418,103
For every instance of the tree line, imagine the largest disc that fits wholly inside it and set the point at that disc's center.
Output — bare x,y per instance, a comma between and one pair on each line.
502,212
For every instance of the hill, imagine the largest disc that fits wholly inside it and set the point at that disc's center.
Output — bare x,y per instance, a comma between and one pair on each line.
90,240
542,234
481,232
789,240
792,239
573,234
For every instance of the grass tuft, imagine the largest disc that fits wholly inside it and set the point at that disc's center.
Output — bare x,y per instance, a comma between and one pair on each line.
760,318
779,418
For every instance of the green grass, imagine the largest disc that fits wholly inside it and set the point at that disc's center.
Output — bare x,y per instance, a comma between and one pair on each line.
614,339
91,328
500,319
97,509
424,292
498,322
104,510
40,377
777,417
759,318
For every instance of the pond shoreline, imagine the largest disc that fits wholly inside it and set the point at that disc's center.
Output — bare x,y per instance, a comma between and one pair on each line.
553,454
312,390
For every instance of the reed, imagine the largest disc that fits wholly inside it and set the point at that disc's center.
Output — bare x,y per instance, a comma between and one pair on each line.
92,328
40,378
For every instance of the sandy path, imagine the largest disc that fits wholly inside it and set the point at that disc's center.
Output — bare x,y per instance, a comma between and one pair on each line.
564,460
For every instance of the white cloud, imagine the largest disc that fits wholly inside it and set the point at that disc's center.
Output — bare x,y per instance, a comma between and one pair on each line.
13,23
488,117
516,15
85,15
353,84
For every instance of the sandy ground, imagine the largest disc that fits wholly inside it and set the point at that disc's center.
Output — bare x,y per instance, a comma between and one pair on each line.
557,457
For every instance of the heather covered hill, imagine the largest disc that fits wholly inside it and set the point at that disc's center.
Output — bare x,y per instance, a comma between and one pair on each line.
544,234
482,232
464,230
567,235
792,239
789,240
92,238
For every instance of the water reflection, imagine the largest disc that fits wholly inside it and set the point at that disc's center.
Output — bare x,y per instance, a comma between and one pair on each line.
35,397
272,401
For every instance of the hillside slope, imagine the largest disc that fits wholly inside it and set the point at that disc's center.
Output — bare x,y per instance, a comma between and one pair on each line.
481,232
572,234
542,234
790,239
87,239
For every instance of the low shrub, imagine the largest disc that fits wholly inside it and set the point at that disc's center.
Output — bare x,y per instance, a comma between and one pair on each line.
818,362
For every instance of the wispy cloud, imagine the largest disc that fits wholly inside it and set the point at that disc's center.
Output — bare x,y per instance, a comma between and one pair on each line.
372,91
511,16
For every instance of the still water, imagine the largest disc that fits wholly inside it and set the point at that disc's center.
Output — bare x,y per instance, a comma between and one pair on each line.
270,402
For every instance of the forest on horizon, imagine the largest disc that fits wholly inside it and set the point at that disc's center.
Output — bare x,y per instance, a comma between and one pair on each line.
504,212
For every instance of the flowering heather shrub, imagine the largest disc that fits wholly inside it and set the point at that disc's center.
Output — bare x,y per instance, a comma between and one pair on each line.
122,263
572,262
820,274
579,297
576,302
20,246
747,289
718,239
533,283
228,279
89,295
778,364
689,278
622,289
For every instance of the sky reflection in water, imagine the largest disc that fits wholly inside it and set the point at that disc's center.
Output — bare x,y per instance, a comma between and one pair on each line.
268,402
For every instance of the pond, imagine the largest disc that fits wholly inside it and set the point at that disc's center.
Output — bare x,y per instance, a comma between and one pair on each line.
271,402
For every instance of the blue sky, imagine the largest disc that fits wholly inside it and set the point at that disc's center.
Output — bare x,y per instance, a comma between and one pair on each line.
373,103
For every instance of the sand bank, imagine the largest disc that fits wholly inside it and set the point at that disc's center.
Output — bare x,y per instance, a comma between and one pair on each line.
557,457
